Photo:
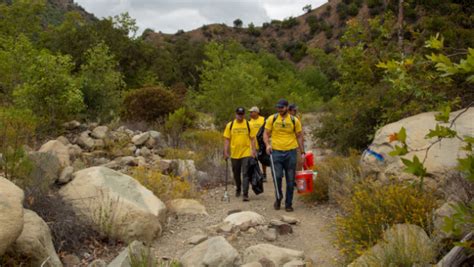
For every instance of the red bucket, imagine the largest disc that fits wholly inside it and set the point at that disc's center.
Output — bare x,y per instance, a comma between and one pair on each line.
308,161
304,181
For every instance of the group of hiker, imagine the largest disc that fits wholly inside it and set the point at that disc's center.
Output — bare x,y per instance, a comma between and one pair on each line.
276,141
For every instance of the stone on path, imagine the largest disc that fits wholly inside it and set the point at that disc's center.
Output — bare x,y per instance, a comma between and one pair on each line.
245,219
270,234
35,241
282,228
186,207
289,219
11,213
116,204
278,255
215,251
196,239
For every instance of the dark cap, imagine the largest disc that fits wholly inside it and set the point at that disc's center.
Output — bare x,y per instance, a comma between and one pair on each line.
292,107
240,110
282,103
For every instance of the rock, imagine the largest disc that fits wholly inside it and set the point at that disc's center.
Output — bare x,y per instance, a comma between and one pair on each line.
127,161
295,263
245,219
186,169
71,260
59,150
442,157
98,144
72,125
85,141
131,212
225,227
252,231
46,167
11,213
74,151
98,263
266,262
164,165
156,140
144,151
63,140
277,255
281,227
196,239
233,211
270,234
137,250
186,207
35,241
215,251
406,241
140,139
141,161
445,211
253,264
66,175
288,219
100,132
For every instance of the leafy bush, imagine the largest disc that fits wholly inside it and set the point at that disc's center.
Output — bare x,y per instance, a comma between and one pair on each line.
297,50
177,122
373,207
208,146
17,129
289,23
149,103
163,186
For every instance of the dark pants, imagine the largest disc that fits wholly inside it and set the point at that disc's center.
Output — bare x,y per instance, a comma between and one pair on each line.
285,163
240,168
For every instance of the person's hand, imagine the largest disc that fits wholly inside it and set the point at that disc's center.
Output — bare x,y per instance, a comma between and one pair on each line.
269,149
303,156
226,155
254,153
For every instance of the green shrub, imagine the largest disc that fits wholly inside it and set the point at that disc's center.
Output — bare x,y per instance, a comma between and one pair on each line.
373,207
149,104
289,23
177,122
17,128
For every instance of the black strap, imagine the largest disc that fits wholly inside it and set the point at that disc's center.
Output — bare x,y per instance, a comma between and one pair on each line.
292,121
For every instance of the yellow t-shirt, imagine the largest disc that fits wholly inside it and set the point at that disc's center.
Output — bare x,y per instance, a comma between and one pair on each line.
239,136
255,126
283,132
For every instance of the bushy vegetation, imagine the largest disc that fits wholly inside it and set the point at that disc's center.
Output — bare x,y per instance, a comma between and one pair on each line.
149,103
373,207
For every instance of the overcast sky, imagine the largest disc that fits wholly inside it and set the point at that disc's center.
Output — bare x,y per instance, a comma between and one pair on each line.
170,16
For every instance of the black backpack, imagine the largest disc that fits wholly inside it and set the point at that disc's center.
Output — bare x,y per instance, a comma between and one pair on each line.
255,175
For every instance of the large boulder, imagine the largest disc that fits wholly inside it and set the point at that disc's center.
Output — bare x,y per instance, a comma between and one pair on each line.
11,213
35,241
442,157
58,149
100,132
245,219
46,167
402,241
186,207
215,251
278,255
116,204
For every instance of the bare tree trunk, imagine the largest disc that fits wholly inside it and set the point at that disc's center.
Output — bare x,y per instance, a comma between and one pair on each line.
400,25
457,255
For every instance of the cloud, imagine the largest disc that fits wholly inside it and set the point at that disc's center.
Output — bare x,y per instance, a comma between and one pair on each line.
170,16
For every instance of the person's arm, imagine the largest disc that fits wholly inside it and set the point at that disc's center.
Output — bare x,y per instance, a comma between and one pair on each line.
300,138
266,138
254,147
226,148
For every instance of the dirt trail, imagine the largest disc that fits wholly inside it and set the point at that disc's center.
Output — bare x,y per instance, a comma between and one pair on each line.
313,235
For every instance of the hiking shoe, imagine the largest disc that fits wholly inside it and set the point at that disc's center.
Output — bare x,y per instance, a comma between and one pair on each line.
289,209
277,204
237,193
245,198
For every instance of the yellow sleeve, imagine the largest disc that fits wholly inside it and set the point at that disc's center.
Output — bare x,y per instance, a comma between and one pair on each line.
227,131
269,123
298,127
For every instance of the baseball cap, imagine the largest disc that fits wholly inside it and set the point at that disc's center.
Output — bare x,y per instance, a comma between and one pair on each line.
282,103
292,107
240,110
254,109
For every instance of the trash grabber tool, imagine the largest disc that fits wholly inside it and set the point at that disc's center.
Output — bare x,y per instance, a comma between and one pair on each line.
274,178
226,194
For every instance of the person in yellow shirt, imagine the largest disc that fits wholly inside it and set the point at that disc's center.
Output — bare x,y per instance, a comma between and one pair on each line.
286,137
239,145
256,122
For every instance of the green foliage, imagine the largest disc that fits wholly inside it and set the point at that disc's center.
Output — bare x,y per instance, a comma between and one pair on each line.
149,103
177,122
307,8
22,17
373,207
17,128
233,77
297,50
289,23
101,83
238,23
47,86
252,30
462,218
441,132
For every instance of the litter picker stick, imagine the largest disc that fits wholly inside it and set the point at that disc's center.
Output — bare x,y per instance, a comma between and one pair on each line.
274,177
226,194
